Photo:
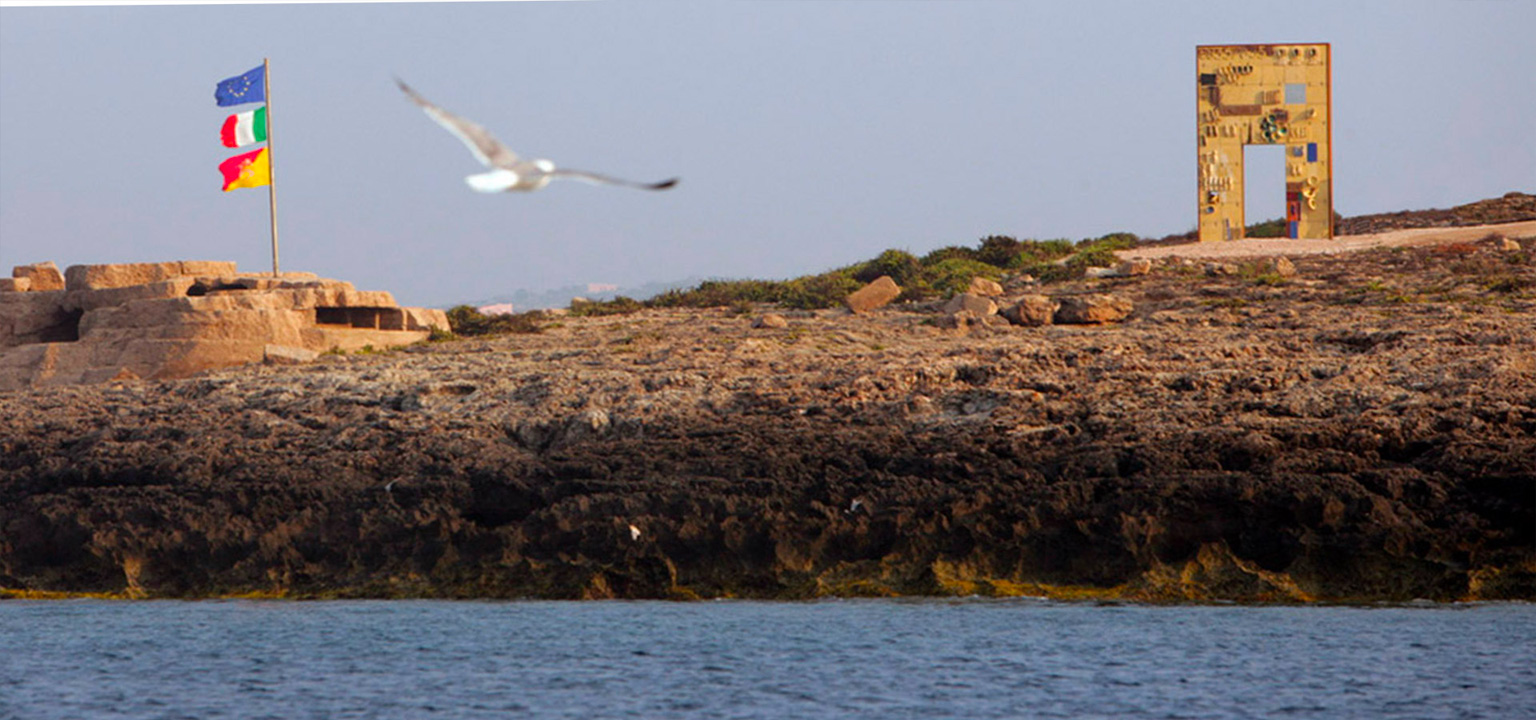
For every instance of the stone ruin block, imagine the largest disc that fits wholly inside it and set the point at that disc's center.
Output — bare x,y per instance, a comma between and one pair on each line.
39,277
102,277
174,319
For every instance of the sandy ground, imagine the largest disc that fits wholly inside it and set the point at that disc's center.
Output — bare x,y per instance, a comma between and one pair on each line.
1252,247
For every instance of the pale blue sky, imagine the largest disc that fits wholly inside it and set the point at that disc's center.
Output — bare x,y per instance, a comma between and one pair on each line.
808,134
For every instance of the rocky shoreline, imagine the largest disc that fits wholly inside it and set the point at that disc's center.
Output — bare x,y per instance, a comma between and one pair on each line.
1364,430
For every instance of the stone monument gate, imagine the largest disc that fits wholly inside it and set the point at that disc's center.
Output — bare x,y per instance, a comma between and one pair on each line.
1265,95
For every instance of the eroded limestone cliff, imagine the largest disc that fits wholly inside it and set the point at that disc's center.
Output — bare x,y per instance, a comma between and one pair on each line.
1362,430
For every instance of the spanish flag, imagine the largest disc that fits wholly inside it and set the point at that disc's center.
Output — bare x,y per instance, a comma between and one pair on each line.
248,170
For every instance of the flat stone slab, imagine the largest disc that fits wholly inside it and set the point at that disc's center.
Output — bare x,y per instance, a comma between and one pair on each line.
101,277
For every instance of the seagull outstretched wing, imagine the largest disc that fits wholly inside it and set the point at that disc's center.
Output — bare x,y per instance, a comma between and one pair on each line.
597,179
487,149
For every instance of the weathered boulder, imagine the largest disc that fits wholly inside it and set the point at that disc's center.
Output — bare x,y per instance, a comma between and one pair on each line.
1509,244
1090,309
1032,311
41,277
771,320
287,355
958,319
977,305
1216,269
424,319
15,284
1280,265
1139,266
875,295
985,287
1019,281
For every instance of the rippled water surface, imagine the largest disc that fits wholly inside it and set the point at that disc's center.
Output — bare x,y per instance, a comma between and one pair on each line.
875,659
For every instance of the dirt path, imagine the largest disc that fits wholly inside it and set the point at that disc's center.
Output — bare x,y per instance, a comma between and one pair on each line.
1348,243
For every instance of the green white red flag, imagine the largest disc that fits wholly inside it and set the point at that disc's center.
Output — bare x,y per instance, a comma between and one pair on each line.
245,128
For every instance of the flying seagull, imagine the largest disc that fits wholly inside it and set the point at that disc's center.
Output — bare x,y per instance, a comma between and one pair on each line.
508,171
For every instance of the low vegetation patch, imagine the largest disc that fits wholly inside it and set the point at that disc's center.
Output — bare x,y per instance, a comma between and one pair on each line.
466,321
941,273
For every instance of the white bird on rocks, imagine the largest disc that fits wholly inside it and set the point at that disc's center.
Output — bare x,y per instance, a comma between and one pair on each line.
509,172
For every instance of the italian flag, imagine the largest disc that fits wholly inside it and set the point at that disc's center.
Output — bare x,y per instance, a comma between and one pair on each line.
242,129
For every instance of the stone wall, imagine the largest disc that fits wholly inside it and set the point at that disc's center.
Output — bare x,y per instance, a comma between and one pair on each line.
95,323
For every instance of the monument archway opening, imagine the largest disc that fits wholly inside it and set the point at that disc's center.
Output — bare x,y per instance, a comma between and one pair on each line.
1263,183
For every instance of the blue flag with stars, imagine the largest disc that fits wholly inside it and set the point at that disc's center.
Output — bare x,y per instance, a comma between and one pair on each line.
247,88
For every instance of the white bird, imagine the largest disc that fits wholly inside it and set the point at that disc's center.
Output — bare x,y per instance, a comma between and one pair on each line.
634,533
509,172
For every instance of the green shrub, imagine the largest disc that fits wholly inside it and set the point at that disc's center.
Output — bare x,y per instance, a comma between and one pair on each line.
955,274
1507,284
951,252
597,308
1112,241
1050,272
901,266
718,293
1267,229
998,250
1033,252
1092,256
1090,253
917,289
466,321
813,292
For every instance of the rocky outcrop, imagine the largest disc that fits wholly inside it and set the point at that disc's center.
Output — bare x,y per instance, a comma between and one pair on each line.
1032,311
170,320
985,287
772,321
1511,207
1315,440
1092,309
979,306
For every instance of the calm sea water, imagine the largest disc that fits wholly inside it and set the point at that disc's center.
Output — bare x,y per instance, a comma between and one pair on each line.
868,659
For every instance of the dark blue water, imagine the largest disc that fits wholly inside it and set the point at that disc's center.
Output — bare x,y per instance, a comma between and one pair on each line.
866,659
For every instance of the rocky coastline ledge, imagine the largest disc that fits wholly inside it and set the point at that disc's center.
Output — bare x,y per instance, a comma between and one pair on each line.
1363,430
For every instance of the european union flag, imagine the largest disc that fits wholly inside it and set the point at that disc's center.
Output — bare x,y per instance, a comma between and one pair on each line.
248,88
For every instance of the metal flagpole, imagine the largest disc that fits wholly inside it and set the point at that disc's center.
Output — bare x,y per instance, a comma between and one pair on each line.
266,68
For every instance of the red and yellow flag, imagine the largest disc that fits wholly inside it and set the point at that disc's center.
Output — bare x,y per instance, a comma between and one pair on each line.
247,170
